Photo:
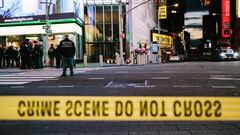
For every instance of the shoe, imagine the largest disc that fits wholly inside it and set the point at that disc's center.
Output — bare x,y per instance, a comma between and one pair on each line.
72,74
63,75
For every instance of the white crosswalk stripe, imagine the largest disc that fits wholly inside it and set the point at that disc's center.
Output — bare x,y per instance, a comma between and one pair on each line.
17,77
20,79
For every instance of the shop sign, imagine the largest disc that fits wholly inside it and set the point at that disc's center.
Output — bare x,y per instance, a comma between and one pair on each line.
162,12
154,48
225,18
238,8
37,18
164,39
19,10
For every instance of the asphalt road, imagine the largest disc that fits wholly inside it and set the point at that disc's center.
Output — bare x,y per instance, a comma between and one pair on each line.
172,79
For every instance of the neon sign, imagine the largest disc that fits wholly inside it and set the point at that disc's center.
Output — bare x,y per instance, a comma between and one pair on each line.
225,18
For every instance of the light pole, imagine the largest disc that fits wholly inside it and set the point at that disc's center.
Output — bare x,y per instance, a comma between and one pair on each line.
159,29
47,26
121,31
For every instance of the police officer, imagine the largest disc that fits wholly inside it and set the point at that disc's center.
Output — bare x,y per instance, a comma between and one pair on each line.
57,56
25,55
1,55
67,50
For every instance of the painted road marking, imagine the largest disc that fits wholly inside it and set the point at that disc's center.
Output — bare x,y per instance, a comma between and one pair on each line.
25,80
224,87
95,78
148,86
226,79
160,78
13,83
122,72
109,84
70,86
27,77
47,86
186,86
17,79
17,87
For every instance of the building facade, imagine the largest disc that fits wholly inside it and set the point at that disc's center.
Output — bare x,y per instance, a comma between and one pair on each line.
102,25
101,29
140,22
24,19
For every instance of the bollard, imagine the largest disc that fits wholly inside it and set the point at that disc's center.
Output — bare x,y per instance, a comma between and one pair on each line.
85,61
144,59
131,59
139,59
117,59
100,60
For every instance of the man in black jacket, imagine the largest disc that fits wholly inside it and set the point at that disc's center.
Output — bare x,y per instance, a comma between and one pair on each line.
1,55
25,55
67,50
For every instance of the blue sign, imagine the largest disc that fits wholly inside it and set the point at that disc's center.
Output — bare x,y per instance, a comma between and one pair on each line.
155,48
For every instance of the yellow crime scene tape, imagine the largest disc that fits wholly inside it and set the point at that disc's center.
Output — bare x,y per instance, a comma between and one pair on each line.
118,108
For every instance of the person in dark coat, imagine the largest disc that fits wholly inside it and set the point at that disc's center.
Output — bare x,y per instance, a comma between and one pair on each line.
30,62
16,56
67,50
10,52
25,55
36,54
40,54
51,55
1,55
58,56
4,57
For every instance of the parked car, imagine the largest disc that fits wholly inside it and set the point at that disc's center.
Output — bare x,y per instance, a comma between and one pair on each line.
176,58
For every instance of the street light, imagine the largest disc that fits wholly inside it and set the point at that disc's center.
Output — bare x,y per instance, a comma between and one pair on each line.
159,29
120,30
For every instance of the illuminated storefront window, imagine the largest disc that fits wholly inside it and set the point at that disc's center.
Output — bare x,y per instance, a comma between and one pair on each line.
101,28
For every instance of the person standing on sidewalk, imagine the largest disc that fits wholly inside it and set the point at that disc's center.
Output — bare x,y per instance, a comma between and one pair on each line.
41,53
51,55
25,55
58,57
1,55
67,50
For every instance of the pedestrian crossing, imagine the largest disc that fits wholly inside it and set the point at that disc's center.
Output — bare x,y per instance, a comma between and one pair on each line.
19,77
12,79
23,79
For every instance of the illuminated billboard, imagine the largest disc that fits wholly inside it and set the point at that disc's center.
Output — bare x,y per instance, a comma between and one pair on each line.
225,18
26,8
238,8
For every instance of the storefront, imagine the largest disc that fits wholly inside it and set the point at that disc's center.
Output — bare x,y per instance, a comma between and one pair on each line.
28,21
101,29
165,43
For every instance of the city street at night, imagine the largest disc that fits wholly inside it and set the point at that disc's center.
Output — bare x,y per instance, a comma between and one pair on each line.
208,79
119,67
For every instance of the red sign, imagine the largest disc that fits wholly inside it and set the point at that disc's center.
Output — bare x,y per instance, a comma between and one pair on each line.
225,18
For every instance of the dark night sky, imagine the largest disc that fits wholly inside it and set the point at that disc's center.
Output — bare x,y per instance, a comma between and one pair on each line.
193,18
193,5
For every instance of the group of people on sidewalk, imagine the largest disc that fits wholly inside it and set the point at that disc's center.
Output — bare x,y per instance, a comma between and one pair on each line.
9,57
30,55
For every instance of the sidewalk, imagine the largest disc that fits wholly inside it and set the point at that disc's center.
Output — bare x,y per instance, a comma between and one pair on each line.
94,65
51,71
